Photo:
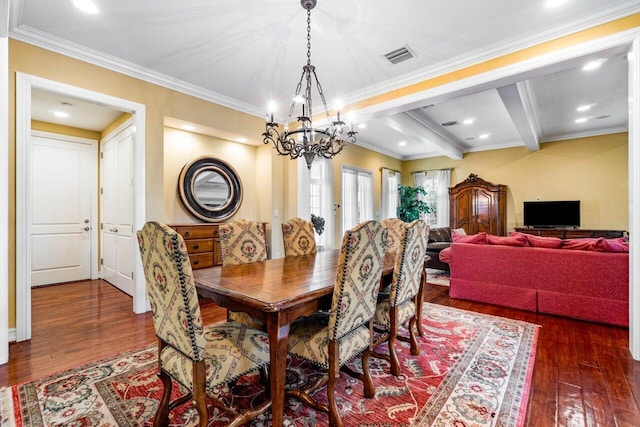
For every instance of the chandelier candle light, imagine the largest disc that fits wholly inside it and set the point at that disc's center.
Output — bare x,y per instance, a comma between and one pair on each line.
304,140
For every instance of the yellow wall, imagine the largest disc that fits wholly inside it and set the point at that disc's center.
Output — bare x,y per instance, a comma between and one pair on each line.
593,170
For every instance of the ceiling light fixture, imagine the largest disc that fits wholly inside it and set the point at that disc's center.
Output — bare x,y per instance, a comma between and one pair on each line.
86,6
468,121
554,3
61,114
584,108
305,140
402,143
581,120
592,65
484,136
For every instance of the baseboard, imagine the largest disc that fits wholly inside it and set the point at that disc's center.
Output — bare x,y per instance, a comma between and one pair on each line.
12,334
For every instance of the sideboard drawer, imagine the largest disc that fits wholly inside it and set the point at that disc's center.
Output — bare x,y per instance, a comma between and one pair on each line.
197,246
196,231
201,260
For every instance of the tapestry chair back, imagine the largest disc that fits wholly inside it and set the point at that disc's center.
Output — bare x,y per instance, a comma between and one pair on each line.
298,237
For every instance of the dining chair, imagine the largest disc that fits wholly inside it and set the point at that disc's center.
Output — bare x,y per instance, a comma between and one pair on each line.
298,237
242,242
329,340
401,304
199,358
394,228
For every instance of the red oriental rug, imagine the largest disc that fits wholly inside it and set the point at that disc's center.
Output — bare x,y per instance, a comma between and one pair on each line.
473,370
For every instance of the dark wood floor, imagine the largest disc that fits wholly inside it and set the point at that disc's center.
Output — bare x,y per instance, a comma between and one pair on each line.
583,376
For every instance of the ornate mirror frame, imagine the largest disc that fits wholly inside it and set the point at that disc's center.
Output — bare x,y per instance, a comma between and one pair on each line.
187,187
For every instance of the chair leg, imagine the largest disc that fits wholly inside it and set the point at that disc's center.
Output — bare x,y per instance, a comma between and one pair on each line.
415,346
393,333
334,374
369,388
200,393
161,418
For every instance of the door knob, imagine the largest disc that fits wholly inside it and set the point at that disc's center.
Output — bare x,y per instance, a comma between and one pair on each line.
86,221
87,229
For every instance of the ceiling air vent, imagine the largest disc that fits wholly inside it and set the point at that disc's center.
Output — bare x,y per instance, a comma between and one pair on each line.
451,123
399,55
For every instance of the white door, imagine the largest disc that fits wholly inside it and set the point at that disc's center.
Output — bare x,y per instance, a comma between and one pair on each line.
61,194
116,211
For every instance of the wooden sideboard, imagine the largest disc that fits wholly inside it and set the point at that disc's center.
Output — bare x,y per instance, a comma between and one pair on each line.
570,233
203,243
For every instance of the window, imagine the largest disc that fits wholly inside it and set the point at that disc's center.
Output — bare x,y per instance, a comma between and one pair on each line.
357,197
436,183
389,202
321,200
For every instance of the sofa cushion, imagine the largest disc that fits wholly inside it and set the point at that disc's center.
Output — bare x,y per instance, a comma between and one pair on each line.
540,241
437,246
517,240
581,244
440,234
612,245
480,238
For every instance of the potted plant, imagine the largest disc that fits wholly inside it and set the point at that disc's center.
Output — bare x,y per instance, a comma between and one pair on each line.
409,206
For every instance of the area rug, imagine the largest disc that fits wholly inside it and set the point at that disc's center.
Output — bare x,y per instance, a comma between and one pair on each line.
438,277
473,370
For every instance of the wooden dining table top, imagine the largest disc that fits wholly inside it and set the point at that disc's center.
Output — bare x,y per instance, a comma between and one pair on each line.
277,284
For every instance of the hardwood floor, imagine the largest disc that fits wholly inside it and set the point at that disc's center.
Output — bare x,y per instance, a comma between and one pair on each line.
583,375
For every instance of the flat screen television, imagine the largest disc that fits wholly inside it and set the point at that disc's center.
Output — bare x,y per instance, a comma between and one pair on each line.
563,213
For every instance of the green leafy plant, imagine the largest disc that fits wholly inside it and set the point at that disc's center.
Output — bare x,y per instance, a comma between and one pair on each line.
409,206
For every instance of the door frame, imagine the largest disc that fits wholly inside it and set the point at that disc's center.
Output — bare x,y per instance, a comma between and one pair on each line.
24,85
93,176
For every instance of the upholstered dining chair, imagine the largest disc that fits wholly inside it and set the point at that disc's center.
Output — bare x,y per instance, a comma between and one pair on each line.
394,228
401,304
329,340
298,237
199,358
243,242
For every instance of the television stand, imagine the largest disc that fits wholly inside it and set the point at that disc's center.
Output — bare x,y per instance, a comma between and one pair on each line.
570,233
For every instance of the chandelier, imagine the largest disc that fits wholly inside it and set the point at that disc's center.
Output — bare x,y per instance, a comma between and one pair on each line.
304,139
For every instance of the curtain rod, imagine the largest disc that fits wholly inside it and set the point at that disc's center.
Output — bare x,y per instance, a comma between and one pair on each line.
430,170
393,170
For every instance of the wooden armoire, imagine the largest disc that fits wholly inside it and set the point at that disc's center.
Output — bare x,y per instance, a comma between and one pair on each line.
477,205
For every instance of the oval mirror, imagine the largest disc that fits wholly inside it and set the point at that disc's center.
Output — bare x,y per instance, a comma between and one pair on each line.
210,189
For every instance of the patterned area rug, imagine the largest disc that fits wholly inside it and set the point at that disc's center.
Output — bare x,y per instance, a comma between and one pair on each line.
473,370
438,277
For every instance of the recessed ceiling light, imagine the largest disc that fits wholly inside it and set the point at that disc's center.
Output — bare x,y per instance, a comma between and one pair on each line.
61,114
402,143
241,139
86,6
554,3
362,125
468,121
581,120
484,136
585,107
592,65
188,127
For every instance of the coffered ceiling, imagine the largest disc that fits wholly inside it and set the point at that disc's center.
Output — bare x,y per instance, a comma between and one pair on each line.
246,54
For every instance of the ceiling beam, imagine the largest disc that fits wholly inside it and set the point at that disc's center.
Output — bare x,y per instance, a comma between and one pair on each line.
408,124
518,99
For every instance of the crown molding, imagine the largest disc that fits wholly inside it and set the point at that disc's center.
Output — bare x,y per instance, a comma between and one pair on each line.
586,134
46,41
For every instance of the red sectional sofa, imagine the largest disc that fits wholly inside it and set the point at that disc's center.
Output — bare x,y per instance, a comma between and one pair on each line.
582,284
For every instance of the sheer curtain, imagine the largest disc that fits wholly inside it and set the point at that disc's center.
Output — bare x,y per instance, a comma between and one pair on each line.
315,196
436,183
389,202
357,197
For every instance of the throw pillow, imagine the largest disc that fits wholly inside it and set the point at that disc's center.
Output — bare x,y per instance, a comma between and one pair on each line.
479,239
440,234
581,244
445,255
612,245
517,240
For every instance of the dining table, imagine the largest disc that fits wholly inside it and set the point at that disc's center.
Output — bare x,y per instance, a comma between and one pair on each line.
279,291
